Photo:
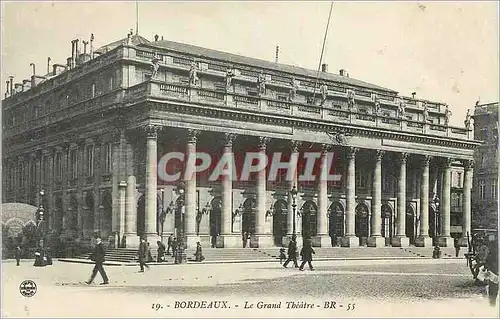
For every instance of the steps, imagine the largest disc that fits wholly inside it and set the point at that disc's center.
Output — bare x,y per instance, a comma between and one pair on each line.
127,255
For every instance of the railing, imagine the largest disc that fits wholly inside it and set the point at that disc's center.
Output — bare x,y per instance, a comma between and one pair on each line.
438,128
460,131
165,88
362,93
182,61
309,109
337,89
217,67
362,117
392,121
339,113
278,105
246,99
415,124
211,94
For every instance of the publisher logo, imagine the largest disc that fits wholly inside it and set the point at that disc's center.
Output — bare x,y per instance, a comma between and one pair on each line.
27,288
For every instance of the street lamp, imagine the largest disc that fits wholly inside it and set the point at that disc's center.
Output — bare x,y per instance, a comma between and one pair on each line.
39,220
181,256
294,192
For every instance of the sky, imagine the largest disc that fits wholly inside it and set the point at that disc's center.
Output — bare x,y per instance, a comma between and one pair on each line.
444,51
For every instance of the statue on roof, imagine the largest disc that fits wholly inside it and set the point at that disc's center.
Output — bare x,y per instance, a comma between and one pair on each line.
129,39
426,112
324,93
193,73
293,89
447,115
377,105
156,65
230,74
351,102
467,121
261,83
401,108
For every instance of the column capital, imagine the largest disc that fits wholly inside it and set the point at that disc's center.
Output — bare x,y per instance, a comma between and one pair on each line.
193,135
379,154
468,164
447,162
294,145
263,141
403,157
351,152
426,159
151,130
326,147
229,139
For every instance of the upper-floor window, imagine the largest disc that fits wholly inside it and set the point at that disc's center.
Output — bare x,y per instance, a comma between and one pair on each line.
361,179
58,166
108,157
494,189
73,155
111,82
92,90
90,160
483,134
481,189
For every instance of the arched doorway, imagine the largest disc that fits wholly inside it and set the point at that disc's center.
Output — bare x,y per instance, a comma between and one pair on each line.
309,226
387,229
361,223
141,216
336,222
107,210
248,217
410,224
280,227
73,214
215,220
90,214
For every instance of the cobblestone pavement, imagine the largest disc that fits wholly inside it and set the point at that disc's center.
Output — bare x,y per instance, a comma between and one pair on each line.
373,288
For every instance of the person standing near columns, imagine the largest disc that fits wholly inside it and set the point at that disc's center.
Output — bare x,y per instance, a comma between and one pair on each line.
151,181
228,238
445,239
376,239
350,239
423,239
263,236
322,221
466,210
190,195
401,240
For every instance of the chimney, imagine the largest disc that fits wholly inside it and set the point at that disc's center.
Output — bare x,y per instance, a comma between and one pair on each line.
156,37
33,79
342,72
413,94
7,91
324,67
11,78
70,62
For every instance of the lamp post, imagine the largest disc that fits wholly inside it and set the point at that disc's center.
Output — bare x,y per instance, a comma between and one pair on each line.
181,251
39,220
294,192
162,214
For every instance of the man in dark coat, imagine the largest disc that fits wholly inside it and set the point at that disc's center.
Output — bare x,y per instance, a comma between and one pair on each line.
161,251
169,243
491,264
292,252
18,255
306,253
143,255
97,257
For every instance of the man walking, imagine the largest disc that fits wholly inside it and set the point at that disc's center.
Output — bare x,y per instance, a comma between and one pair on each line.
306,253
143,255
97,257
18,255
169,243
292,252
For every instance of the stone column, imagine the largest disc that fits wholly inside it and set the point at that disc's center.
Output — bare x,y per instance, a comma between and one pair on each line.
190,191
423,239
262,236
445,239
466,208
350,239
401,240
321,218
131,238
228,238
151,182
122,206
376,239
290,221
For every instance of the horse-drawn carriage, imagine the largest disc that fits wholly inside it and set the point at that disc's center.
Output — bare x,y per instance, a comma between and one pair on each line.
478,249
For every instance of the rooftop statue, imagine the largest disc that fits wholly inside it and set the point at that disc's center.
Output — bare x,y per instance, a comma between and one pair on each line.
261,82
324,92
351,102
377,105
426,113
156,65
230,74
401,108
467,121
447,115
193,73
293,89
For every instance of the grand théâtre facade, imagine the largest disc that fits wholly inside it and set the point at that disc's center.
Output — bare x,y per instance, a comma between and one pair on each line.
90,134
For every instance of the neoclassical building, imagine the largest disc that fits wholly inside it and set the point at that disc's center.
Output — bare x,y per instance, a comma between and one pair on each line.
91,132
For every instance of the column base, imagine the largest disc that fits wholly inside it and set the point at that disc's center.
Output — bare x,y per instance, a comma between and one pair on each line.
400,242
191,241
423,241
229,241
286,240
349,241
321,241
259,241
445,242
375,241
131,240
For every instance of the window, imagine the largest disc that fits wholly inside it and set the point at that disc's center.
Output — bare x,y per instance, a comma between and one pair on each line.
90,160
459,180
108,158
58,166
281,97
73,156
92,90
252,93
111,82
361,179
43,173
494,189
481,189
483,134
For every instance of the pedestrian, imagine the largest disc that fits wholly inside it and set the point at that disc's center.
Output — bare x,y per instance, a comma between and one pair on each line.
244,239
18,255
306,252
169,243
143,255
491,264
292,252
214,241
161,251
282,254
457,247
198,255
98,257
174,247
39,258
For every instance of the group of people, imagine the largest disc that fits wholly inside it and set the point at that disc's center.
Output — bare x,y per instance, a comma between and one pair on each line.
306,253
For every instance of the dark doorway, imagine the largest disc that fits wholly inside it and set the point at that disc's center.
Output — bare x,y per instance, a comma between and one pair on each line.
410,224
361,223
90,214
248,217
141,216
215,220
336,223
309,226
280,227
387,229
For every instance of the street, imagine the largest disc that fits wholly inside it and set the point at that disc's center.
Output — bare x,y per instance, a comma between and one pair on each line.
335,288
